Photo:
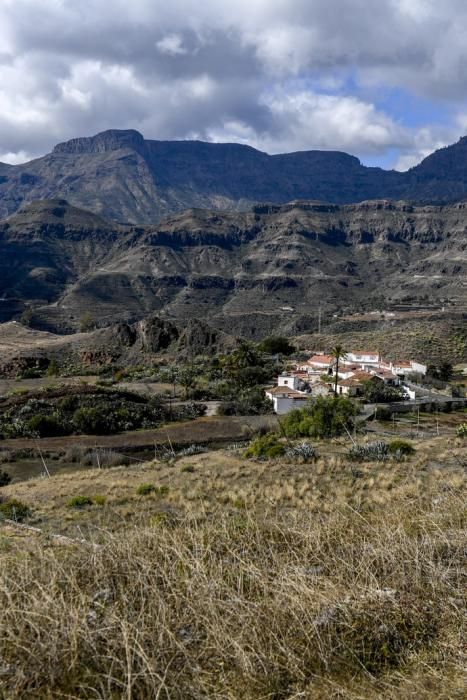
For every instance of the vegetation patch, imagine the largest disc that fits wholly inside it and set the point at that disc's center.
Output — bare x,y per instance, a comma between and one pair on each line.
79,502
265,447
14,509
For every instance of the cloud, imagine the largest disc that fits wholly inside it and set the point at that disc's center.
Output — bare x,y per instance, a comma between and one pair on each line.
283,75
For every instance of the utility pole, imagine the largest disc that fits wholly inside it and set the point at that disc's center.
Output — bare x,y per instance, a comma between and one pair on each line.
319,319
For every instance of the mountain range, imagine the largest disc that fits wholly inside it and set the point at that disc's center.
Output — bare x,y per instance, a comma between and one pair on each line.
123,177
248,273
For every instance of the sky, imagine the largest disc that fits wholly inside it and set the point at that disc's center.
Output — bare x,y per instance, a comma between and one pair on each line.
385,80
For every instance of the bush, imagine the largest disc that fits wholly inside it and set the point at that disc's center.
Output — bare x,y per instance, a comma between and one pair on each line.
45,425
79,502
92,420
145,489
461,431
14,510
5,478
326,417
265,447
401,448
99,500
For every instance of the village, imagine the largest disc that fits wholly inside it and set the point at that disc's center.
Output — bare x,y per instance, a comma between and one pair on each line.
350,373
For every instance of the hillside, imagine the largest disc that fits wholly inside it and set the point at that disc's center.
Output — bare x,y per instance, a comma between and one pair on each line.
127,178
246,273
217,576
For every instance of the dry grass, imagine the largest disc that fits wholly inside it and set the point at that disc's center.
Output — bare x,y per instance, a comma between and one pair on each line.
247,580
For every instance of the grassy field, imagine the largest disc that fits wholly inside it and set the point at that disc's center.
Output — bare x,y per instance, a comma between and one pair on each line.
213,576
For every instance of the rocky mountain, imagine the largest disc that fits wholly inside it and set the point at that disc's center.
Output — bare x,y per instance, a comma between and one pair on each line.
245,273
126,178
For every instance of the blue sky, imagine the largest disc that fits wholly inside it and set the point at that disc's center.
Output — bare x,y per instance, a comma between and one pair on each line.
385,80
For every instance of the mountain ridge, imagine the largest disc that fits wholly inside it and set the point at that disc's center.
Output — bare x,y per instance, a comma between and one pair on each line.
237,270
124,177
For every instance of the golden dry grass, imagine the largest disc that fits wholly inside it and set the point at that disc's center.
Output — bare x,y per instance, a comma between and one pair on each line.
247,580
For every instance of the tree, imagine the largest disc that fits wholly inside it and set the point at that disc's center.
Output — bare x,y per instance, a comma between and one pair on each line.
375,390
326,417
276,345
338,353
445,371
187,378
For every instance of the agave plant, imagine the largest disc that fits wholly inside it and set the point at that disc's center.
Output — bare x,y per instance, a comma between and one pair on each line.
371,452
303,450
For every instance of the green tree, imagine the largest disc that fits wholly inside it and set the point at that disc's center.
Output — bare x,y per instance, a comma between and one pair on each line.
376,390
276,345
326,417
187,378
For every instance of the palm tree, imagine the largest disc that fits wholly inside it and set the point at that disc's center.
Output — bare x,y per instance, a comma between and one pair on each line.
338,353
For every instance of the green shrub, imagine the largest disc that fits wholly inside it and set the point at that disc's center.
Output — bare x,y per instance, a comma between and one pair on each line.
99,500
401,448
92,420
46,425
79,502
326,417
14,510
461,431
145,489
266,446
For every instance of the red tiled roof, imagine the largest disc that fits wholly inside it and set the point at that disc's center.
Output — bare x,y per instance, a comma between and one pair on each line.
349,382
362,376
321,359
285,391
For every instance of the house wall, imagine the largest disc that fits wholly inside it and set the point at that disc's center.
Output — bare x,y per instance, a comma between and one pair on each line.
290,382
372,359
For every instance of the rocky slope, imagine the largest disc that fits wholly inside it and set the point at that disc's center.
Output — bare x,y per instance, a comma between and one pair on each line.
126,178
246,273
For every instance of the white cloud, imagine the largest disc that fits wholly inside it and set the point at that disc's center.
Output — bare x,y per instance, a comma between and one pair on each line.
171,44
282,75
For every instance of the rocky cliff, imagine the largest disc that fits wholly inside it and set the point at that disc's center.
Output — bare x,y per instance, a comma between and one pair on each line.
127,178
246,273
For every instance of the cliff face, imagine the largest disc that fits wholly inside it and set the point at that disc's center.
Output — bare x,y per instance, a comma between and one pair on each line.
245,273
127,178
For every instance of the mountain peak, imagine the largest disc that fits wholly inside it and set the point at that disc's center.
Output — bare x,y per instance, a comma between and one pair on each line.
110,140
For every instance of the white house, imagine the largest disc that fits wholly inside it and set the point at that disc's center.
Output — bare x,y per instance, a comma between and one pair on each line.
284,399
291,381
362,357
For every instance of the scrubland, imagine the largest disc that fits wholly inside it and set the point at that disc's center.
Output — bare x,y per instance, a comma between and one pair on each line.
214,576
